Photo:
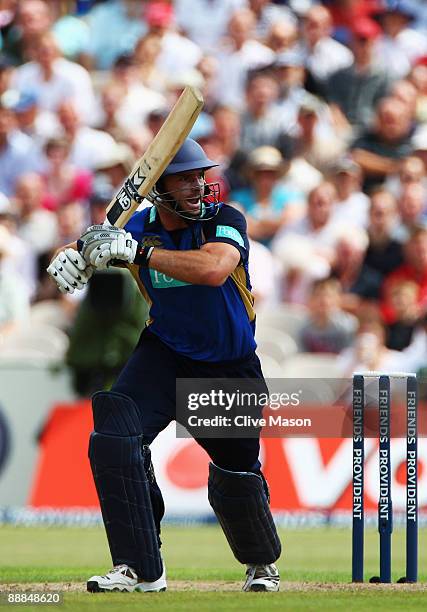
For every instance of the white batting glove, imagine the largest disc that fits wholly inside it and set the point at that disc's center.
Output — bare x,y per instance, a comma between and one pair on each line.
97,235
69,271
122,248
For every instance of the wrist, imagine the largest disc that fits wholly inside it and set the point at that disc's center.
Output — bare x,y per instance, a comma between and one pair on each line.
142,257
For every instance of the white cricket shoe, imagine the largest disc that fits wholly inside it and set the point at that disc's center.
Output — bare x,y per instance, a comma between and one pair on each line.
262,578
124,578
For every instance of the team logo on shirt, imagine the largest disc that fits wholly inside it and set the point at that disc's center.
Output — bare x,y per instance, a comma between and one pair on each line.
162,281
151,241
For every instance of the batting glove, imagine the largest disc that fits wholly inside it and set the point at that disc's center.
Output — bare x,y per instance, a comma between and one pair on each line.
69,271
121,248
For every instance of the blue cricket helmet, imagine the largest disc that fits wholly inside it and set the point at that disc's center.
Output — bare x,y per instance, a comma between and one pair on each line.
189,157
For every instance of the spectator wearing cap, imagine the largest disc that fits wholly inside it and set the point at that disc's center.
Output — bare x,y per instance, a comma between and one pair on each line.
114,28
54,79
267,204
354,92
205,21
18,153
379,151
240,54
324,55
116,164
64,183
401,44
32,121
352,204
178,54
384,253
88,146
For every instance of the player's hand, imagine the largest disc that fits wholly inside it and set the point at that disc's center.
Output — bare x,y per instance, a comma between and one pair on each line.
69,271
122,248
95,236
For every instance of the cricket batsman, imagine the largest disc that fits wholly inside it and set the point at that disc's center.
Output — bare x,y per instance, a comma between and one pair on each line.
188,253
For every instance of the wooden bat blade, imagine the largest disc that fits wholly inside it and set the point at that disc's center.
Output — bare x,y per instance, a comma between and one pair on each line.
157,157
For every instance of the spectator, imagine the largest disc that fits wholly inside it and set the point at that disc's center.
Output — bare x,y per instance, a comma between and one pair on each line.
411,170
31,120
316,225
282,36
72,220
208,67
5,74
268,205
324,54
14,300
404,298
384,254
267,14
36,225
413,268
53,79
313,139
350,248
289,71
261,121
328,329
18,154
264,273
405,92
351,203
33,19
116,164
369,352
111,99
71,33
412,210
88,147
401,44
146,56
205,21
179,54
137,100
64,183
380,150
114,28
239,55
355,90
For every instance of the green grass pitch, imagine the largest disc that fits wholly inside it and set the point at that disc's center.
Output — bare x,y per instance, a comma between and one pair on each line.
203,575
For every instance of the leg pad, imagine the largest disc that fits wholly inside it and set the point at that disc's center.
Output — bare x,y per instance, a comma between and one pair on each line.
240,503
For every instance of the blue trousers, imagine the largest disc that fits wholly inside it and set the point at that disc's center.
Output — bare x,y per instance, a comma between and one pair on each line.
149,378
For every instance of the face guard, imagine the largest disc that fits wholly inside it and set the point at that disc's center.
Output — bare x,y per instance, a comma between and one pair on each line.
209,198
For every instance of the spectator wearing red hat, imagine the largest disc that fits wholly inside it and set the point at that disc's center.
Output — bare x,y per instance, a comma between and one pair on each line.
355,91
178,53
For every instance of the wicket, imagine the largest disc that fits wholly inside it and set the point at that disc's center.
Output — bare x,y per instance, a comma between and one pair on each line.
385,507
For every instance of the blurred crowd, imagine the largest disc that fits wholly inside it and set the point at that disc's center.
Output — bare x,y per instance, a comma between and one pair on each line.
316,112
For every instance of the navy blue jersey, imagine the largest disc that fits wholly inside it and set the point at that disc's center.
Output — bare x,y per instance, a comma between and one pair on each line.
201,322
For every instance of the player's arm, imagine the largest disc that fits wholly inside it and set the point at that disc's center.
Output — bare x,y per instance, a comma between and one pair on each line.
211,265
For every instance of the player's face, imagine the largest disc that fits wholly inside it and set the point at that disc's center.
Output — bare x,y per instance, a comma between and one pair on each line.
187,189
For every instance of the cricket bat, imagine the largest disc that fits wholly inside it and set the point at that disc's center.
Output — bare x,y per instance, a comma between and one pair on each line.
148,169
